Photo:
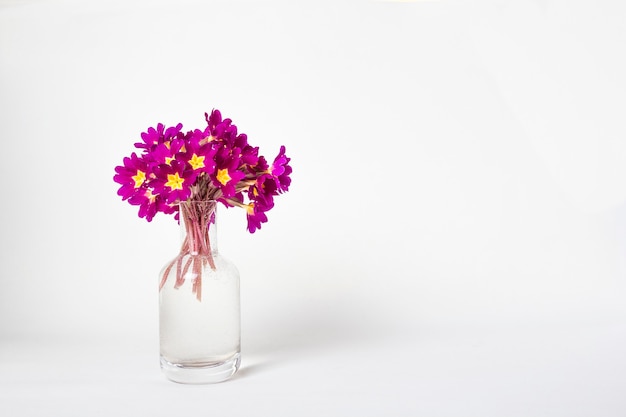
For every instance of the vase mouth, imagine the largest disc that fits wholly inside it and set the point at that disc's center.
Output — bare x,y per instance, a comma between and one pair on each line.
193,200
192,203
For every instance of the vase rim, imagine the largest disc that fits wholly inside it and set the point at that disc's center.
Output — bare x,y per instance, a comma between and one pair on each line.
193,201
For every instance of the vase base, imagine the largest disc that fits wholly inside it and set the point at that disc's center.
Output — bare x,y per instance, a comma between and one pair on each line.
207,374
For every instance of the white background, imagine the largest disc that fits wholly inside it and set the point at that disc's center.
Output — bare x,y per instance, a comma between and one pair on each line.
453,244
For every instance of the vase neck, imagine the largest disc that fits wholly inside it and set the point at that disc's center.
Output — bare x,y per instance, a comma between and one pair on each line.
198,227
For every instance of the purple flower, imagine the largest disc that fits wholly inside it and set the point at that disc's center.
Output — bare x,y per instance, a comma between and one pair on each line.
260,167
165,152
227,176
132,176
255,214
199,152
261,196
154,137
173,181
214,119
150,204
281,170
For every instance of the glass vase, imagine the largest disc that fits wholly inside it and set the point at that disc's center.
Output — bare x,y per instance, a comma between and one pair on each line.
199,313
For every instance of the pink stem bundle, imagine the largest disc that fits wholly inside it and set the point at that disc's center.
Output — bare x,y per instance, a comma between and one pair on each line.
197,218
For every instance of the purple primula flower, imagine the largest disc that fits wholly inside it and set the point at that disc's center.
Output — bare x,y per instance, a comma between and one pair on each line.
264,188
154,137
281,170
261,196
166,152
199,152
132,175
255,213
219,126
260,167
227,176
173,181
214,119
151,137
255,216
250,155
230,132
150,204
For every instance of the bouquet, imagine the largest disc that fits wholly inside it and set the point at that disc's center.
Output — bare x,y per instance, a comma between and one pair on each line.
215,163
186,174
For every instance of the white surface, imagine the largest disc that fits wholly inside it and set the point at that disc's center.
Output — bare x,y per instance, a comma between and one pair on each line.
453,244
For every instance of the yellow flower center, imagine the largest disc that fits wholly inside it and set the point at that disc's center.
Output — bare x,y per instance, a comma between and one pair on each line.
174,181
222,176
139,178
196,161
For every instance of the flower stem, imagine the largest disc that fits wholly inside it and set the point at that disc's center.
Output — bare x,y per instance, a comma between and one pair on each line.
197,218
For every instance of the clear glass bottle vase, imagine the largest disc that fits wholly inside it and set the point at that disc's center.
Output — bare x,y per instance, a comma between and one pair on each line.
199,312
